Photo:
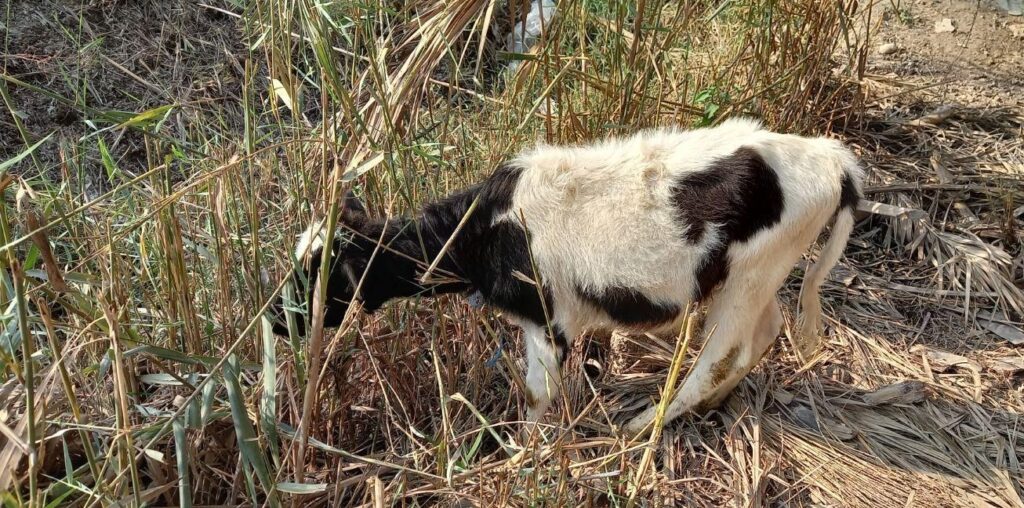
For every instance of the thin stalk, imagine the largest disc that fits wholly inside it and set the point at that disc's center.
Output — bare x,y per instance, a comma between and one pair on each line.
667,393
28,369
69,391
121,408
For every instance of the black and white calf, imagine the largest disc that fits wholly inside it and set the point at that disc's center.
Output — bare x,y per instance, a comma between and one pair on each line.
621,234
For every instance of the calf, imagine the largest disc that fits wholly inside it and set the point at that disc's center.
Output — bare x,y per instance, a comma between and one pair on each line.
622,234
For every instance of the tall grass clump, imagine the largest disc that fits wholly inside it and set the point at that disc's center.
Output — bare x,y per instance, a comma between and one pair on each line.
138,364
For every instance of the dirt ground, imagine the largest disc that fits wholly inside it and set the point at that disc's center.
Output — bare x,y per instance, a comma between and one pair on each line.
115,56
979,64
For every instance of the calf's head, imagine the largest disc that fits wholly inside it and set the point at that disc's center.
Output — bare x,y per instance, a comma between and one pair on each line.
369,261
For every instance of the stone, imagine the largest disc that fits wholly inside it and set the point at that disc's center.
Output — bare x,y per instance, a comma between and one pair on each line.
887,49
945,25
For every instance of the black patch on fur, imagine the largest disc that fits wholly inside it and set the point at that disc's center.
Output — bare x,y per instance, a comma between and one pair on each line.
849,197
424,237
629,307
395,269
392,273
494,257
740,192
741,195
561,343
303,284
339,291
488,255
498,190
713,269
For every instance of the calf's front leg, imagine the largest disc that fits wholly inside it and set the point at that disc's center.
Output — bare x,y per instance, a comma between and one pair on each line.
544,356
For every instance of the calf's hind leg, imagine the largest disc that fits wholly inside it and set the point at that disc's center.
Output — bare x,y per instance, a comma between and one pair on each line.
737,341
767,331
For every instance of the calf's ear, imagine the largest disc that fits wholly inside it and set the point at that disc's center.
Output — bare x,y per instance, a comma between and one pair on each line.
353,209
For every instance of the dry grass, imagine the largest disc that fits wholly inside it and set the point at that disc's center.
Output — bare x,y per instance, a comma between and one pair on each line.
134,243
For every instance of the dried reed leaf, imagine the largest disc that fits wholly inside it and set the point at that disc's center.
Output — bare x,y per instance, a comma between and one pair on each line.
1006,364
42,242
904,392
890,210
1001,326
941,361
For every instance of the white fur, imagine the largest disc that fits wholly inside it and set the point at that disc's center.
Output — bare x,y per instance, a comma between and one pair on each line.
602,215
311,240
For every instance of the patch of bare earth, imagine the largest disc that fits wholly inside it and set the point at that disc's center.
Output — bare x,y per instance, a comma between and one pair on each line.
100,58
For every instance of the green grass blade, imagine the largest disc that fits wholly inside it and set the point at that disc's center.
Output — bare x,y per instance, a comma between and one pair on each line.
9,163
268,403
182,458
113,172
248,442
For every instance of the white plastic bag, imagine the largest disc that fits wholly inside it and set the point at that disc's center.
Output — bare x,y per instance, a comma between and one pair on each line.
523,38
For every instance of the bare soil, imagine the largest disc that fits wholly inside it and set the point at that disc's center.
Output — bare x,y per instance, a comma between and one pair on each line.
980,64
110,56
